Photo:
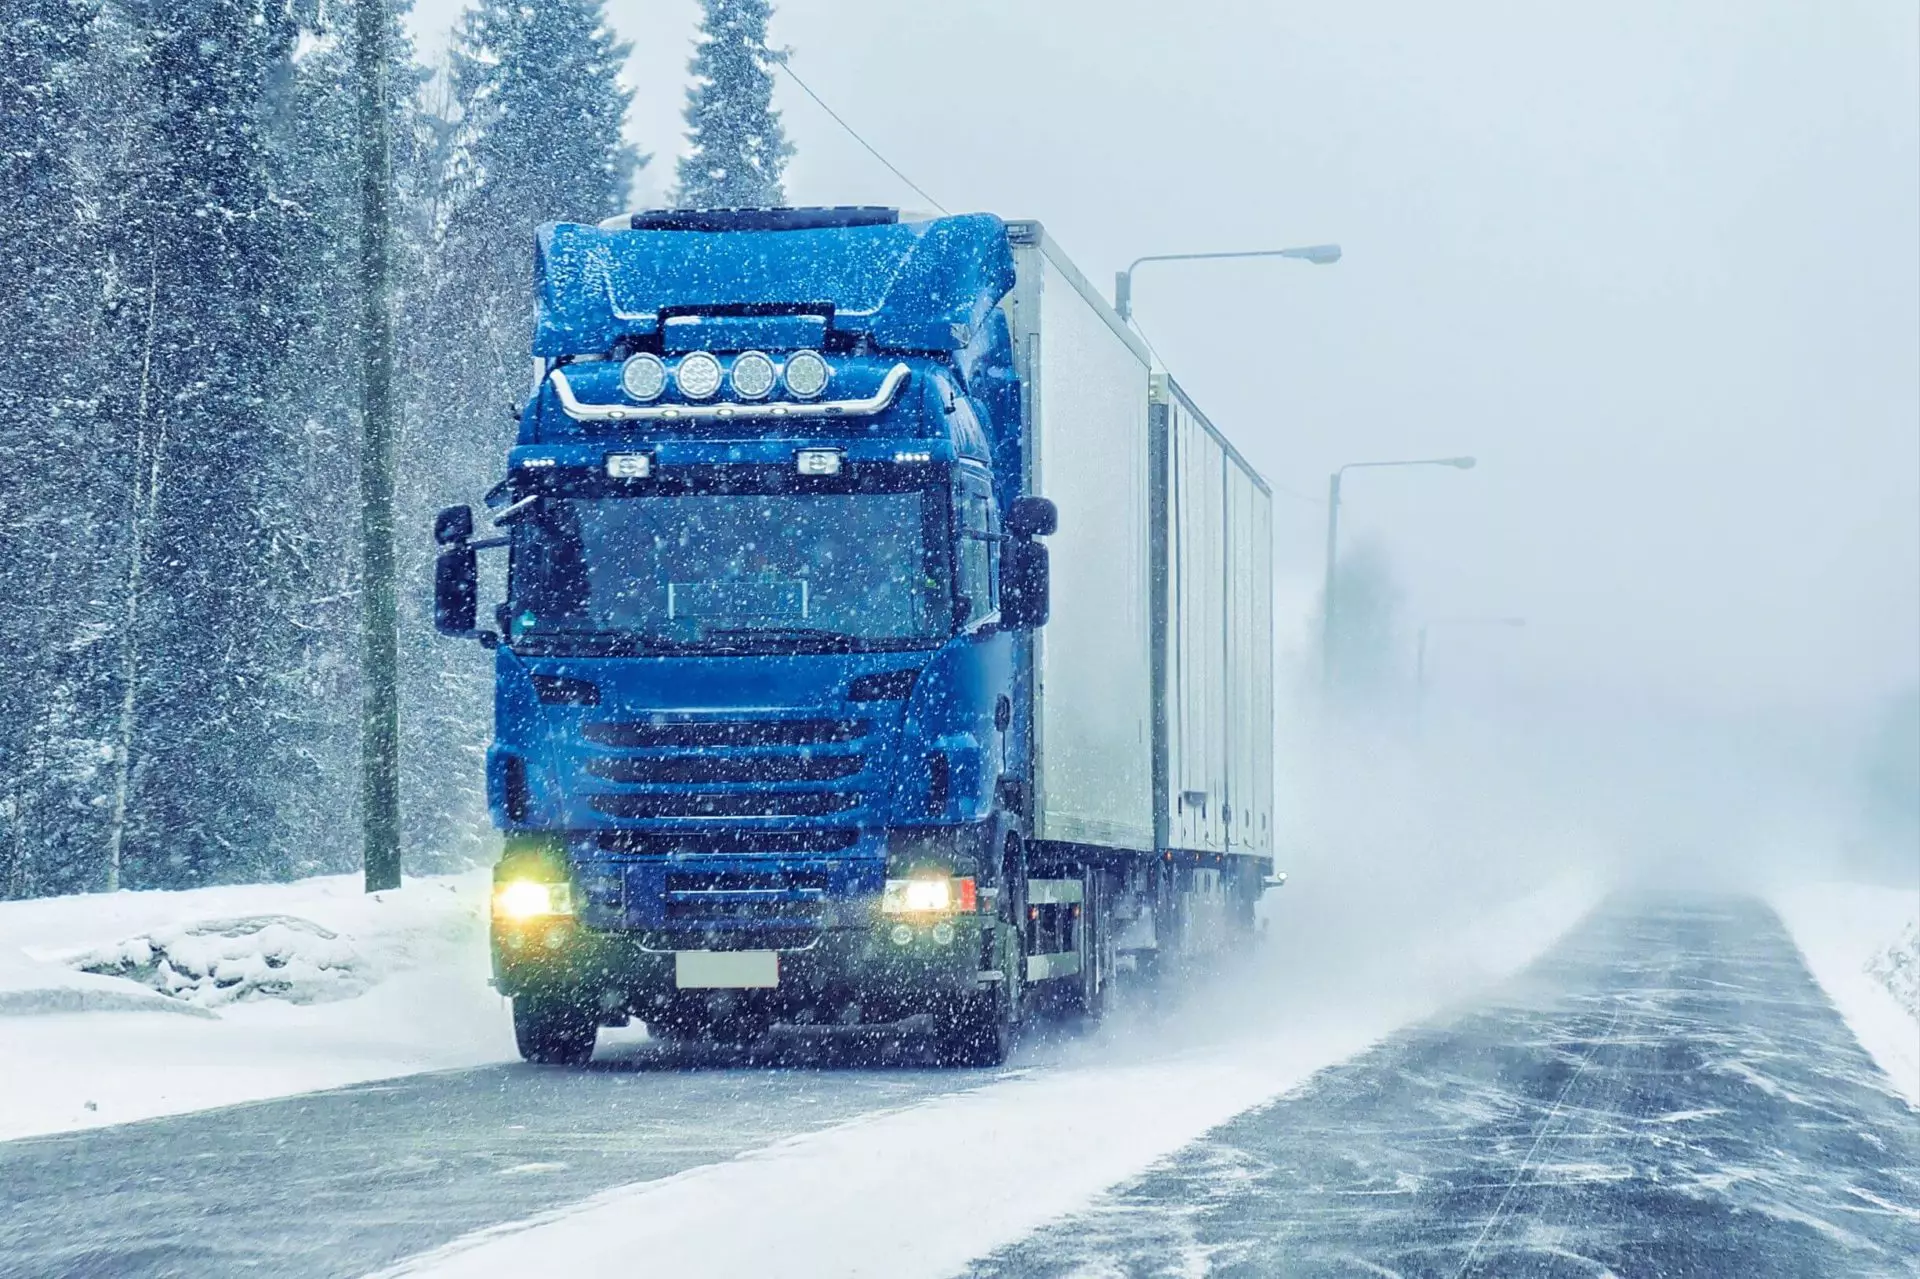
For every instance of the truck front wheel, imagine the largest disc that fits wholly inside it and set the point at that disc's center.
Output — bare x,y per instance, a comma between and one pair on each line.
979,1032
553,1030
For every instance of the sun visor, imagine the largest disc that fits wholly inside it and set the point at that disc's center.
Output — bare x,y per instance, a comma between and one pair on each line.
914,286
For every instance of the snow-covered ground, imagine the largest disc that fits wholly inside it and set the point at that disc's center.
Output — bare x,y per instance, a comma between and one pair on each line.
272,989
1862,944
922,1190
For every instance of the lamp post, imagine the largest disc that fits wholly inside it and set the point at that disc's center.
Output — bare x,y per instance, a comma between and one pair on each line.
1317,254
1329,595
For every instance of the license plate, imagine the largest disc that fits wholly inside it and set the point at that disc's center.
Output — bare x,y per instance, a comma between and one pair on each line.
725,969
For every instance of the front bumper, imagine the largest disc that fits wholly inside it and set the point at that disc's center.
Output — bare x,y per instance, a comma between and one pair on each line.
888,967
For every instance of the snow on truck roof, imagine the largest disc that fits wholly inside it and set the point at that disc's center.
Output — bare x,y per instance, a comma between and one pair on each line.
906,286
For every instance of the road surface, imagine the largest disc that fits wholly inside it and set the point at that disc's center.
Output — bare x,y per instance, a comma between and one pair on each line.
1664,1093
1667,1093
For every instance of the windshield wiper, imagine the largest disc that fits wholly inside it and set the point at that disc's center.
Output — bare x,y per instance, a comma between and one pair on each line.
588,643
838,639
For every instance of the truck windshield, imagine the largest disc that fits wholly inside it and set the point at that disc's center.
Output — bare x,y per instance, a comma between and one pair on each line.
732,572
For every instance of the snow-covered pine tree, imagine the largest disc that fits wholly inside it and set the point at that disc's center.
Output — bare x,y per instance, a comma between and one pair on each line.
737,147
199,331
536,113
313,519
57,514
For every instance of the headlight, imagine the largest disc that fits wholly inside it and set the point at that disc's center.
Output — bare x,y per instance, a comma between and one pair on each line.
926,895
805,374
531,899
752,376
644,376
698,376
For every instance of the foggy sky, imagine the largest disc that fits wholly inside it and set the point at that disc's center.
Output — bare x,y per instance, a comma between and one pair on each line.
1656,265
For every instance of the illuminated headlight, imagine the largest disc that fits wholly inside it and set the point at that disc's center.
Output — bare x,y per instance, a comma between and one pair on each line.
752,376
819,461
644,377
928,895
805,374
698,376
629,466
531,899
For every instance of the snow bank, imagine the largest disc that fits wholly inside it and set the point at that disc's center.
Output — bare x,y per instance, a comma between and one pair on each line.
921,1191
221,961
27,987
285,988
1862,944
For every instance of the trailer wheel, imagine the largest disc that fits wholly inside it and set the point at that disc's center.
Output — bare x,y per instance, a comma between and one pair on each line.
1096,949
551,1029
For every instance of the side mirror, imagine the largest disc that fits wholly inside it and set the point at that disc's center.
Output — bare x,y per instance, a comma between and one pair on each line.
456,588
1026,585
453,525
1032,517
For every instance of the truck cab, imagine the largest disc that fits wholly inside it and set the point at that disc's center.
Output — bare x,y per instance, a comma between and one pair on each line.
770,680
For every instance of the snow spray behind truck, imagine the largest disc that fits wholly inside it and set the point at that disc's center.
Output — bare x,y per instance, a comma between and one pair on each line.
884,643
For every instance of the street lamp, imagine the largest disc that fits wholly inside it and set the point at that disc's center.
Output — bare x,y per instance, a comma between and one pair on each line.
1333,541
1318,254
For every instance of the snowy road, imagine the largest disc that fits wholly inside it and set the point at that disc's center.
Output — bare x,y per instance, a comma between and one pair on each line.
1665,1092
341,1183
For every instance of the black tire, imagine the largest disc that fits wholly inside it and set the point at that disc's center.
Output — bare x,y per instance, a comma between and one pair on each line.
553,1030
979,1033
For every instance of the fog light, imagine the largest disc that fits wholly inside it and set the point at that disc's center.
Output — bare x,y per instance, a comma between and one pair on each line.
698,376
805,374
644,376
818,461
902,934
752,376
943,933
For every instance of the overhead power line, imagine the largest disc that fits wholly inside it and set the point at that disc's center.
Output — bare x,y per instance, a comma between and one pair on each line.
781,62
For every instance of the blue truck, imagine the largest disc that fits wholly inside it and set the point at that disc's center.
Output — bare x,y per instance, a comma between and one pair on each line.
885,643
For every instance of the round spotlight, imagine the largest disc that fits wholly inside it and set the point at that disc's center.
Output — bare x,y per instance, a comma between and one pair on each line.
644,376
805,374
698,376
752,376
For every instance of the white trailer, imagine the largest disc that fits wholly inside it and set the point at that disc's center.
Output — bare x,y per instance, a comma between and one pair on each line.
1153,706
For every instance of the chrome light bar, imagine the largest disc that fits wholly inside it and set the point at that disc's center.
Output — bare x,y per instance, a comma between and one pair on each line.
582,412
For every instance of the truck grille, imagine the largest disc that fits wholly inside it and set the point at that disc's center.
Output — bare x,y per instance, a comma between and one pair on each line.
739,804
721,843
735,895
696,735
709,769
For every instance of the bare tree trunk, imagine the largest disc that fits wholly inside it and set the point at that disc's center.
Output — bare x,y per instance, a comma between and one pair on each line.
144,504
17,876
380,715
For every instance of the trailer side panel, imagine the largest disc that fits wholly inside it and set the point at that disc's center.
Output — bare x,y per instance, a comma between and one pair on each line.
1087,390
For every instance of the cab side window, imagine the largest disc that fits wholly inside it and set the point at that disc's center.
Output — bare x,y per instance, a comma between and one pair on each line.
979,546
